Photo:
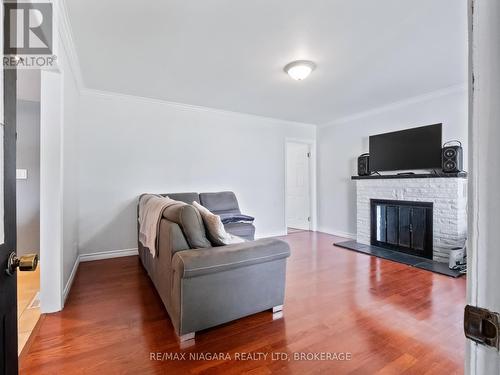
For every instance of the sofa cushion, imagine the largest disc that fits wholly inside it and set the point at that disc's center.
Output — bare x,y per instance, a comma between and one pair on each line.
189,220
215,229
243,230
221,202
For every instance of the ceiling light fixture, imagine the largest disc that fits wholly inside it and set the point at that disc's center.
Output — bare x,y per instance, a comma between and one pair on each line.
299,69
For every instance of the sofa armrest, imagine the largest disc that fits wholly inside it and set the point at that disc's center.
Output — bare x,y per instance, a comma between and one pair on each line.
197,262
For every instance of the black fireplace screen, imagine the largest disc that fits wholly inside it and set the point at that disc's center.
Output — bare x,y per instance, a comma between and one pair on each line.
403,226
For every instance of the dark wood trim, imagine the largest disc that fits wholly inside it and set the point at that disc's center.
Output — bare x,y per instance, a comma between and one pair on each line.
8,284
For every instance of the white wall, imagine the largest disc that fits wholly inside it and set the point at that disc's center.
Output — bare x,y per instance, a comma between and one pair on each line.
51,190
28,190
129,145
70,119
59,107
340,143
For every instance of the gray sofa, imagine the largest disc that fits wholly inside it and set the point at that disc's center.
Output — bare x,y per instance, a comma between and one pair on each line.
222,203
203,286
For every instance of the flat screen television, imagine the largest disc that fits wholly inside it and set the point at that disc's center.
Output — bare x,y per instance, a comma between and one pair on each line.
417,148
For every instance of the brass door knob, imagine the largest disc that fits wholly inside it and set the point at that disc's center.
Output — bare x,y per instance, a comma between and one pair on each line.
25,263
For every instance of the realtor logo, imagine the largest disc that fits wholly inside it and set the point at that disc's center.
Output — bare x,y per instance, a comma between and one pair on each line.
28,32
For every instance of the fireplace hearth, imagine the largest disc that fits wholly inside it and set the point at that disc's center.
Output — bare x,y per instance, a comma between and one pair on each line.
404,226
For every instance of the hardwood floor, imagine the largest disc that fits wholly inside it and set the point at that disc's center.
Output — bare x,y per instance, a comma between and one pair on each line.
392,318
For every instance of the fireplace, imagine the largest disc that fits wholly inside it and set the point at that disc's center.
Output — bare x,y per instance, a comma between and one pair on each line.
404,226
448,196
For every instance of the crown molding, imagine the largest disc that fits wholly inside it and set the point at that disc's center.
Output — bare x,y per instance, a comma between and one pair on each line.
396,105
66,36
68,44
188,107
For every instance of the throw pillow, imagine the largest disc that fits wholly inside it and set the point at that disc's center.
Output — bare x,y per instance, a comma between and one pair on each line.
215,229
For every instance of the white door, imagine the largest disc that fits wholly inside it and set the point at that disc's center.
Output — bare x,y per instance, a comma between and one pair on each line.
483,278
298,185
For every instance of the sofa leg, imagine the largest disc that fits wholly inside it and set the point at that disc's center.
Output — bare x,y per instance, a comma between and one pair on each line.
186,337
277,308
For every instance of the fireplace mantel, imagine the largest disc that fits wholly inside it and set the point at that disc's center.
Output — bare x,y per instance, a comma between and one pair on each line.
416,175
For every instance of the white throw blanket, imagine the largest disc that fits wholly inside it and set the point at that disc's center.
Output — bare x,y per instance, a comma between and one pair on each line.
151,208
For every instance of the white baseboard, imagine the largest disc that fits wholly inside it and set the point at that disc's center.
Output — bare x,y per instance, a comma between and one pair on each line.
94,256
71,278
108,254
339,233
267,235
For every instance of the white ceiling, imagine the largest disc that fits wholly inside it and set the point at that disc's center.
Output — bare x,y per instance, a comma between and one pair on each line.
230,54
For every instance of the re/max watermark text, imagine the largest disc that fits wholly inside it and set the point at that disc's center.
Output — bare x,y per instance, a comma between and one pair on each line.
251,356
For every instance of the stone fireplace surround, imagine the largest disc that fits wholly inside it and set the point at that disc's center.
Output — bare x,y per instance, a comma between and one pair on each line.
447,193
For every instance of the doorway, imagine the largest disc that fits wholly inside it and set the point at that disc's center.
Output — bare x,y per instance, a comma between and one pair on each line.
298,186
28,199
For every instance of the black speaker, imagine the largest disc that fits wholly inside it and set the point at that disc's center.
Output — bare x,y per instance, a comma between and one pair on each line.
364,165
452,157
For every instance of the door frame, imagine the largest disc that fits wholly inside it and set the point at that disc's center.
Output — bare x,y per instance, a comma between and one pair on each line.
312,180
484,88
